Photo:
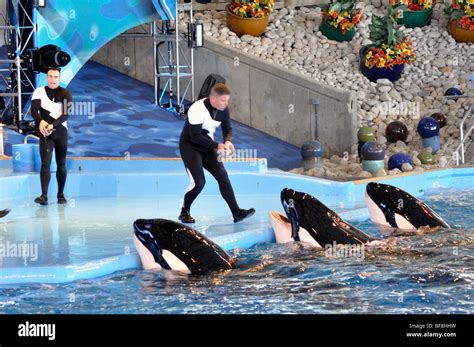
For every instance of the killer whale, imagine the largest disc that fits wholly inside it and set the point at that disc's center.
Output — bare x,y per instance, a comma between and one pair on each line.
390,206
162,243
308,219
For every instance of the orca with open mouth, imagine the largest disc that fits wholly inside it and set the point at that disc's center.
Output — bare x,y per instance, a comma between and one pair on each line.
390,206
3,213
165,244
311,221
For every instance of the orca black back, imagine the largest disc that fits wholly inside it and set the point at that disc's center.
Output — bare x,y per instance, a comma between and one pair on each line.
322,223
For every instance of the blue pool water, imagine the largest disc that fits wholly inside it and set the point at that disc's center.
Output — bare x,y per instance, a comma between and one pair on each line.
422,273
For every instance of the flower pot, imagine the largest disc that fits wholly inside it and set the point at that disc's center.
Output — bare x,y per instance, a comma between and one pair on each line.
246,26
336,34
414,19
460,34
393,74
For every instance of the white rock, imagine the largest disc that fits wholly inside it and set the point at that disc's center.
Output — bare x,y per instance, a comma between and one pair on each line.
393,172
385,97
416,161
384,89
380,173
365,174
335,159
407,167
384,82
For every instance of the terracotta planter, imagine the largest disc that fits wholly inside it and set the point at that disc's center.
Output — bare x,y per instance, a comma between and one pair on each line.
336,34
460,34
393,74
246,26
415,19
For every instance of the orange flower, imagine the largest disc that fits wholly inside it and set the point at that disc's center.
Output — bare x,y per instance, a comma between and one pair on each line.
387,56
252,8
344,21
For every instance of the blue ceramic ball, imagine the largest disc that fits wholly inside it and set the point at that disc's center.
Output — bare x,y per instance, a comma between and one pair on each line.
453,92
428,127
312,149
398,159
372,151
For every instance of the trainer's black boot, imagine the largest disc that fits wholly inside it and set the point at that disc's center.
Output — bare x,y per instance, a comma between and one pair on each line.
42,200
61,199
185,217
242,214
3,213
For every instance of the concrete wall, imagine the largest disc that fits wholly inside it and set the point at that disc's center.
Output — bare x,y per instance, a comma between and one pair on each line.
264,96
132,56
280,102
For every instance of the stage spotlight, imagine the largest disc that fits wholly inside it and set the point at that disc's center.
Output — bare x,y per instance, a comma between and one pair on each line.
195,35
198,34
39,3
46,57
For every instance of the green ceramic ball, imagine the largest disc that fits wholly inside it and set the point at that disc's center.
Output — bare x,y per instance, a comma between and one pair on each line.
366,134
427,158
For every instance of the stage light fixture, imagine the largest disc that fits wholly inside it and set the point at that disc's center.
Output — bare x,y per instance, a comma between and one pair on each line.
39,3
47,57
195,35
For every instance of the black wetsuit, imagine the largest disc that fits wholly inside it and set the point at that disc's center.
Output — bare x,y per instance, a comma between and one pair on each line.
199,150
50,105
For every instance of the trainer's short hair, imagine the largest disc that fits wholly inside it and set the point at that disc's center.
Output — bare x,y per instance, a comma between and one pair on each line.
219,89
54,69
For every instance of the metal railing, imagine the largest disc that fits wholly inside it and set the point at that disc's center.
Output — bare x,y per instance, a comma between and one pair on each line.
463,138
1,141
176,63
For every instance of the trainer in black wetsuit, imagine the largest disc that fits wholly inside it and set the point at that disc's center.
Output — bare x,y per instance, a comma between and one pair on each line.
199,150
49,109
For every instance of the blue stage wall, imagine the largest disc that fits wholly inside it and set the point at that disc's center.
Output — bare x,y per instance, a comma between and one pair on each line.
82,27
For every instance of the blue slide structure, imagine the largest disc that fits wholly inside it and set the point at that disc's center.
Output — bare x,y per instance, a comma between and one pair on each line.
165,9
82,27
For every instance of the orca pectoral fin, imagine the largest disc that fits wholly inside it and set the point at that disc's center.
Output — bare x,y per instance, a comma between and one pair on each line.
3,213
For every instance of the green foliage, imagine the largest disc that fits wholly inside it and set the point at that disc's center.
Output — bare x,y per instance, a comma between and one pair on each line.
384,30
341,5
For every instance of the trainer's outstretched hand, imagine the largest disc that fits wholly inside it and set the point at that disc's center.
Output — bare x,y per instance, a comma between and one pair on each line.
229,147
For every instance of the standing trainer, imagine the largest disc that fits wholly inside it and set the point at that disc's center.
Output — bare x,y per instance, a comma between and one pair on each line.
199,150
49,107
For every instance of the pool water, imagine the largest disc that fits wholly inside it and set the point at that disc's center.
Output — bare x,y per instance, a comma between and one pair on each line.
89,228
419,273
